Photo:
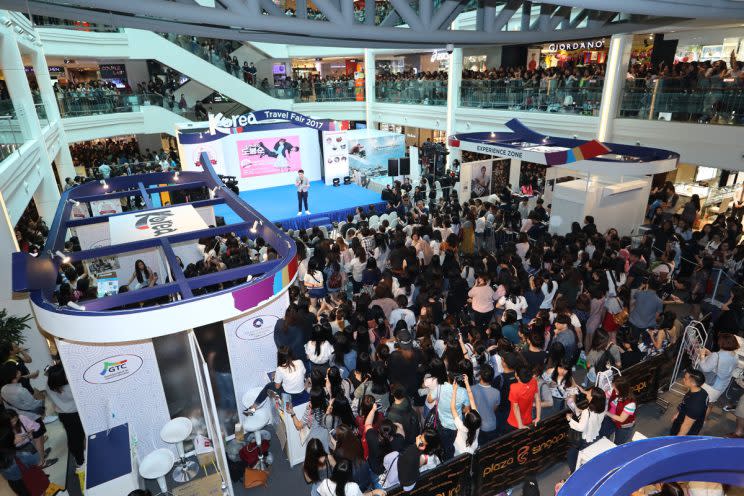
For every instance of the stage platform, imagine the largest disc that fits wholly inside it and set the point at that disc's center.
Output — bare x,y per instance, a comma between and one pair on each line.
279,204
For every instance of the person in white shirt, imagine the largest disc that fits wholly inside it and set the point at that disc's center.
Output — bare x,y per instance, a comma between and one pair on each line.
480,229
468,427
59,392
402,313
289,378
513,301
589,423
319,351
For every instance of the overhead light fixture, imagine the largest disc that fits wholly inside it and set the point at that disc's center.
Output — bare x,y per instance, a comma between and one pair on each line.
254,229
74,202
62,256
104,184
175,175
75,306
493,134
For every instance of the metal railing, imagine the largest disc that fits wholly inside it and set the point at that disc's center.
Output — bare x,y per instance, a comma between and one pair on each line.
321,91
77,105
711,101
577,98
412,91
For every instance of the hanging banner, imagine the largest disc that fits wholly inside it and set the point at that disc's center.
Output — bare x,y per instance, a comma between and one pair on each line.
251,347
115,384
220,123
335,155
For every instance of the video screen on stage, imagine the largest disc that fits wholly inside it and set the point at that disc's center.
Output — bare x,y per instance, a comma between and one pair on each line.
266,156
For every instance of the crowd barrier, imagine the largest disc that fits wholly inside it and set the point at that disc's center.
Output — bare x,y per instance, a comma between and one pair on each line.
505,462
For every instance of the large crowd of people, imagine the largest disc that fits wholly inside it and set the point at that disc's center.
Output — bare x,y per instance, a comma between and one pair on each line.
115,157
418,333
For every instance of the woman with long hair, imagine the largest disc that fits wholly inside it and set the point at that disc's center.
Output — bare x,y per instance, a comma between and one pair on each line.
60,394
468,427
341,482
317,465
619,423
314,282
356,267
289,380
377,386
349,447
588,424
319,350
562,384
145,277
314,418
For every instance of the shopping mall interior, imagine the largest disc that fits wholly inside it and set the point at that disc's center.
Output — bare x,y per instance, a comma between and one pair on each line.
355,247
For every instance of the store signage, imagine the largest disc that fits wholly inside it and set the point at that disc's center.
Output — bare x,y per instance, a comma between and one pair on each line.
577,45
234,124
439,56
112,369
500,151
112,71
257,327
155,224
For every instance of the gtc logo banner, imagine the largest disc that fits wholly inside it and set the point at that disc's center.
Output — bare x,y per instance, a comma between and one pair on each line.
112,369
160,222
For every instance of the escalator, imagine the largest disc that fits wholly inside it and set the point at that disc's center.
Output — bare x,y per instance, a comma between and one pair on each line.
626,468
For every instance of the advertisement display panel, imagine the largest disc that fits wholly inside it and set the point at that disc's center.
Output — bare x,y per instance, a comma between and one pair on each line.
266,156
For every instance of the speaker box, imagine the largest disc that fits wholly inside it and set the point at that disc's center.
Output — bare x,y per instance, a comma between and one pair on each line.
392,167
405,166
336,182
347,180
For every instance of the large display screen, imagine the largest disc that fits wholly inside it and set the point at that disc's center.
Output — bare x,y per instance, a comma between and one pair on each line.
266,156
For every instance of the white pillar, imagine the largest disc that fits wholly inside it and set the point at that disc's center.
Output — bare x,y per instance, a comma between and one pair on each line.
14,74
17,304
515,170
47,197
369,85
614,83
454,78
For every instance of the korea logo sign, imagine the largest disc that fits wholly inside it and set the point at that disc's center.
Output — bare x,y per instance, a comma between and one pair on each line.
112,369
256,327
160,222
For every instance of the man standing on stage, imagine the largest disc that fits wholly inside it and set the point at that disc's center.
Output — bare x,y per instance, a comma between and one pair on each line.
303,185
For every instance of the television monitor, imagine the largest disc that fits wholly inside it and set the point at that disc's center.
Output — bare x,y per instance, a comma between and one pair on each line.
705,173
108,286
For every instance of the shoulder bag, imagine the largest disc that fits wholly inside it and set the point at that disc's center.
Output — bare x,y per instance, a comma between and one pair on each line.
34,478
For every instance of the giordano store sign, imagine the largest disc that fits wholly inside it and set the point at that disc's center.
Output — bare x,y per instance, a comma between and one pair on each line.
567,46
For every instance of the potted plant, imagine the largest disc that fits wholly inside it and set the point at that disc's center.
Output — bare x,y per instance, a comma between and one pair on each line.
12,327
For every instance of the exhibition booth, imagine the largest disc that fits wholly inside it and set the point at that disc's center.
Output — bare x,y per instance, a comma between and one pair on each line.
609,181
159,359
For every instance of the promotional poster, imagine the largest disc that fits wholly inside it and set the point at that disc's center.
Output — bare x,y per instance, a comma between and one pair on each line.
369,154
266,156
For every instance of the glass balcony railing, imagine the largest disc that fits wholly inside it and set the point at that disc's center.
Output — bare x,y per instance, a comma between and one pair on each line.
414,91
11,137
712,102
76,105
326,91
582,99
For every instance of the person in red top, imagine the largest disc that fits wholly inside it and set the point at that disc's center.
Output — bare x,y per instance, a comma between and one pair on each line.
621,413
523,396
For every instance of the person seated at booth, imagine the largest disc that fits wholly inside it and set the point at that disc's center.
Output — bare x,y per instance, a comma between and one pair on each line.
289,380
146,278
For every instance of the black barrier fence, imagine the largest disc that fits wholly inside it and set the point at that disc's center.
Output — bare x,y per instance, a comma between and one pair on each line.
508,460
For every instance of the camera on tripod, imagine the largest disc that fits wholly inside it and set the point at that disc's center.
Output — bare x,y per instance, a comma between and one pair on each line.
231,182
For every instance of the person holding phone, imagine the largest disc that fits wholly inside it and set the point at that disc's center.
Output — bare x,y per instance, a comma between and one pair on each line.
468,427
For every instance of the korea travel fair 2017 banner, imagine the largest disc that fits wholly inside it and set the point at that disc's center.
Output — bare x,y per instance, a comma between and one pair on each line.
266,156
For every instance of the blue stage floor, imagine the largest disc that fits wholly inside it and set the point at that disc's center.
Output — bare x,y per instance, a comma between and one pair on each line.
279,204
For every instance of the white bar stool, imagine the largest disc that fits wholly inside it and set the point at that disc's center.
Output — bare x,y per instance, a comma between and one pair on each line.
260,419
156,465
176,432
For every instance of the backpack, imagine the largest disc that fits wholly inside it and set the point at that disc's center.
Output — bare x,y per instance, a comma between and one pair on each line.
335,281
